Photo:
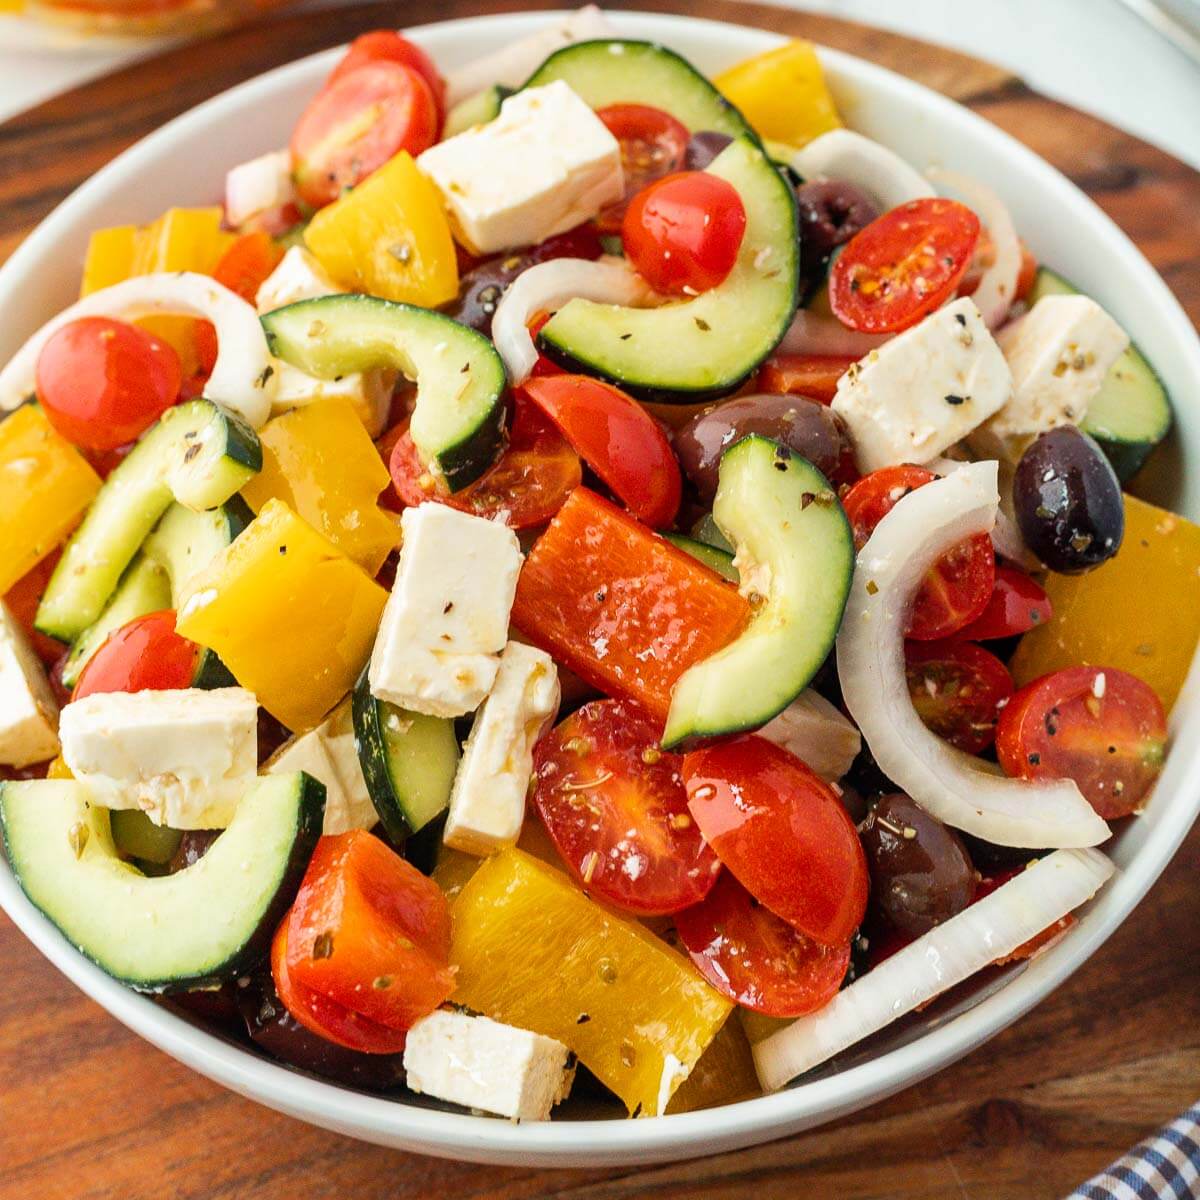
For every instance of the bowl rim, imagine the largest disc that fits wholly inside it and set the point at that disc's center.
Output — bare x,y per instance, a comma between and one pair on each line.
392,1121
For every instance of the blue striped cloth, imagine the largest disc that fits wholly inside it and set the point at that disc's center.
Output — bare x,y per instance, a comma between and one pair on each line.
1165,1166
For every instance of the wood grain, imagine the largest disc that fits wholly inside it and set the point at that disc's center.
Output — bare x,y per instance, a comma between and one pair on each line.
90,1112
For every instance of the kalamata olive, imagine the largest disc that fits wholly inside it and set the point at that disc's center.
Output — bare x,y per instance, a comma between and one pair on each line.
1068,502
481,287
811,429
831,213
921,873
193,846
703,147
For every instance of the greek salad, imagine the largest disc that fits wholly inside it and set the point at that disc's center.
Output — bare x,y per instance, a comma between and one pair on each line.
577,568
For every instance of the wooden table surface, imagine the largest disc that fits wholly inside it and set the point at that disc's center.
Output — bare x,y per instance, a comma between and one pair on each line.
88,1111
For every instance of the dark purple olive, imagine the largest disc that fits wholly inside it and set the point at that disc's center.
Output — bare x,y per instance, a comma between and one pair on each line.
921,873
193,846
1068,502
481,287
703,147
814,431
831,213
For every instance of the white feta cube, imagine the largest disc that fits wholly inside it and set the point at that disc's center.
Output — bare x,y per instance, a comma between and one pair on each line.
446,620
487,802
28,710
544,165
1059,353
299,276
816,733
482,1064
911,398
183,757
258,186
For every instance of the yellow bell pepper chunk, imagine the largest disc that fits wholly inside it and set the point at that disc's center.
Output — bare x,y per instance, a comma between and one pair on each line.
782,93
46,485
724,1074
109,260
288,613
1139,612
389,237
533,951
321,462
58,769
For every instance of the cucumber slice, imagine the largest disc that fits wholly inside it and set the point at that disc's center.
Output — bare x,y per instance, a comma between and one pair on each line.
720,561
1131,413
478,109
706,347
706,530
618,71
458,417
200,926
795,550
197,454
408,760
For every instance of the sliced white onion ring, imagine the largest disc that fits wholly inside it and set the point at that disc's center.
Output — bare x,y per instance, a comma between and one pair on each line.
243,377
877,170
548,286
1006,536
815,333
938,960
998,284
960,789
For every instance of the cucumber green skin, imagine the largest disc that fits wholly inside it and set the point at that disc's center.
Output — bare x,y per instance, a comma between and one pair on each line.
706,530
134,498
308,815
478,109
720,561
1130,374
337,335
384,778
761,505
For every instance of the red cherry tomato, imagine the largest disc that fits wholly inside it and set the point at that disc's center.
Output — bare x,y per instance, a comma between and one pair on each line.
384,45
748,954
103,382
903,265
959,585
145,655
812,375
653,144
22,600
324,1017
1018,604
356,124
615,808
245,266
958,689
530,483
1101,727
370,932
683,233
783,832
617,438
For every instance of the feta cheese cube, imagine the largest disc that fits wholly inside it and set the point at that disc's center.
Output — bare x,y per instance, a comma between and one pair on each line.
28,710
299,276
487,802
1059,353
816,733
446,620
544,165
184,757
328,753
482,1064
911,398
256,186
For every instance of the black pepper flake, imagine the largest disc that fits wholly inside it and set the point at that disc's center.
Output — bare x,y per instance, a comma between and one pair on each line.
601,595
1051,722
1035,759
806,498
282,549
265,376
583,1019
955,400
626,336
322,946
961,319
191,452
466,369
703,325
449,606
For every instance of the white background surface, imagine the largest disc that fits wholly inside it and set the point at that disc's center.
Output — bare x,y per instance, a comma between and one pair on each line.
1095,54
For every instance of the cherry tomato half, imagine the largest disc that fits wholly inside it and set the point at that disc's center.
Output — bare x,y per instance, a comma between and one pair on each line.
684,231
958,689
1101,727
144,655
812,375
748,954
104,382
22,600
959,585
783,832
1018,603
356,124
245,266
530,483
384,45
617,438
653,144
614,806
903,265
324,1017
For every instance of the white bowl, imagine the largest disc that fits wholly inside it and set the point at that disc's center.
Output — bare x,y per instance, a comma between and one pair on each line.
184,163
